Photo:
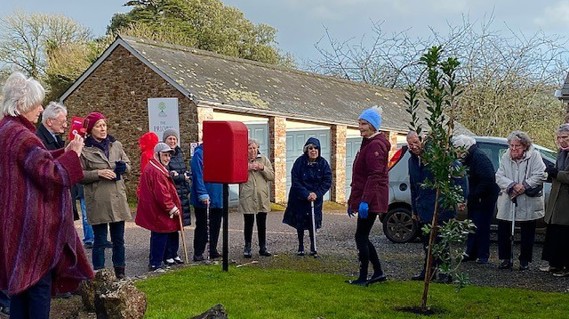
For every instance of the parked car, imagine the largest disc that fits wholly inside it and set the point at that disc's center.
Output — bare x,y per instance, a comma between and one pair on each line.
398,225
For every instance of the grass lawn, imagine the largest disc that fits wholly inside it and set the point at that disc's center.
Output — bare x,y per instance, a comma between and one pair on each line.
251,292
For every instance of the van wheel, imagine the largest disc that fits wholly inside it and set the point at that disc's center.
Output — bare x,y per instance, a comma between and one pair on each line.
399,226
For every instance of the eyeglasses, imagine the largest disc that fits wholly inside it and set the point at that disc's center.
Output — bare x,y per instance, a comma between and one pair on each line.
312,148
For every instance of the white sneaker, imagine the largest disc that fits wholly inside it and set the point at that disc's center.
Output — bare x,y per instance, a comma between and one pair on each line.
159,270
178,260
169,261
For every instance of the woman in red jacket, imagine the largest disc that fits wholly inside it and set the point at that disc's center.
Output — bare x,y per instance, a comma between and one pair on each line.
158,205
370,192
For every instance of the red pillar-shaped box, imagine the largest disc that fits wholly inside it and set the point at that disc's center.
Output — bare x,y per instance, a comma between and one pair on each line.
225,152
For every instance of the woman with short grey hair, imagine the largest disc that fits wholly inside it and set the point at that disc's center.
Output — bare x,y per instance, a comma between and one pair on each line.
254,198
41,251
521,171
555,248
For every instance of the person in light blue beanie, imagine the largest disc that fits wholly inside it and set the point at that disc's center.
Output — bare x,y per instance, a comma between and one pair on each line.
372,116
369,195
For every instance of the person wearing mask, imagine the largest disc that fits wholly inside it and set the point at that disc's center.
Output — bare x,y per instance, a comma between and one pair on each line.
311,178
369,194
424,200
181,177
104,164
159,206
521,168
41,252
482,195
254,198
556,248
207,199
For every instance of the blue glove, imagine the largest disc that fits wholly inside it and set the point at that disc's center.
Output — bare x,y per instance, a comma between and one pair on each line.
363,210
350,212
120,168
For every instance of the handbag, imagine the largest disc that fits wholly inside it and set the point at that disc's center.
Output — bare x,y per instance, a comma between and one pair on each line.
534,191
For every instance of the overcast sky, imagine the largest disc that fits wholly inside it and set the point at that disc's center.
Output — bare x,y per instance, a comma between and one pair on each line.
302,23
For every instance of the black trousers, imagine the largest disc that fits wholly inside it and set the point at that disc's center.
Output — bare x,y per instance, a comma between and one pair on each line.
527,239
366,250
249,220
202,230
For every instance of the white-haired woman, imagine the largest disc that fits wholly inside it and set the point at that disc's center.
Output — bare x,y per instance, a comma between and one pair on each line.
482,195
521,170
254,198
41,252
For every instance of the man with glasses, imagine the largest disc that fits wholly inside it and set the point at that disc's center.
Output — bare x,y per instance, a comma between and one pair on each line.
52,127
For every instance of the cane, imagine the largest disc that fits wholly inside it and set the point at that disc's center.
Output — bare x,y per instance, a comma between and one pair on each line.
512,237
183,238
313,224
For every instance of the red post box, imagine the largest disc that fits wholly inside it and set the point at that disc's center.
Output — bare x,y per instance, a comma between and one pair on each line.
225,152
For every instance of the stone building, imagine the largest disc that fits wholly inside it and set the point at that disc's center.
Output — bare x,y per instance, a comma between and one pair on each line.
281,107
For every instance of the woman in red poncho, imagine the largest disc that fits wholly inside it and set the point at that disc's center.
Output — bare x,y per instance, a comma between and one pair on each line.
158,205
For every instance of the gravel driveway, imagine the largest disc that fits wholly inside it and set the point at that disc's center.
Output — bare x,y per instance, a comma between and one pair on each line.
338,254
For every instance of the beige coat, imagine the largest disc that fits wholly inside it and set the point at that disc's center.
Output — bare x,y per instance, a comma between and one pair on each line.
558,205
105,200
528,170
254,196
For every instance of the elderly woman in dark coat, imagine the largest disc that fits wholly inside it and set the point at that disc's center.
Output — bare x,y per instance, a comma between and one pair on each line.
311,179
556,248
482,195
370,192
521,168
41,252
181,177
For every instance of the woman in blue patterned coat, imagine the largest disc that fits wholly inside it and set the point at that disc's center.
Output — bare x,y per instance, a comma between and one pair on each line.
311,179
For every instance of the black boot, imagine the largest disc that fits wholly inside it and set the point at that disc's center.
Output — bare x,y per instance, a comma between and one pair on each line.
262,233
362,279
119,273
247,250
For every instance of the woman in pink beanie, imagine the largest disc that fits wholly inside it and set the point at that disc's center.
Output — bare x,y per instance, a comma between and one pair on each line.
104,162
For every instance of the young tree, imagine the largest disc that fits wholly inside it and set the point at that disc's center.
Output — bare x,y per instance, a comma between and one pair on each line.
440,94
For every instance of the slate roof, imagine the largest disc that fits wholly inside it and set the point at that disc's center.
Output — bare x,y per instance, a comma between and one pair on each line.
251,87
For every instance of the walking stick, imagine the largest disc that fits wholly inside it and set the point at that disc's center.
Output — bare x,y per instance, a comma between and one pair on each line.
313,224
512,237
183,238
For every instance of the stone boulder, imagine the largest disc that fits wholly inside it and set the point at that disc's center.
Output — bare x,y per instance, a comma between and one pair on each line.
112,299
216,312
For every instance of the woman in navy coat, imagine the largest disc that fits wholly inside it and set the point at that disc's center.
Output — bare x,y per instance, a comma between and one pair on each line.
311,179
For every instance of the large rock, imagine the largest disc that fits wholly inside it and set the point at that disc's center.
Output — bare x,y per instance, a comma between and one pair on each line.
112,299
216,312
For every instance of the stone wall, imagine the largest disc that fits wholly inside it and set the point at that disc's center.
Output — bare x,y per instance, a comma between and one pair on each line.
277,155
119,88
338,163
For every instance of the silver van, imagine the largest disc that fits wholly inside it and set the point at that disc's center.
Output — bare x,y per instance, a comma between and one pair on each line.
398,225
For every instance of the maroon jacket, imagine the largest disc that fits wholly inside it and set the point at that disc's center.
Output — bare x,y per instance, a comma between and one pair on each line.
370,178
156,199
37,234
